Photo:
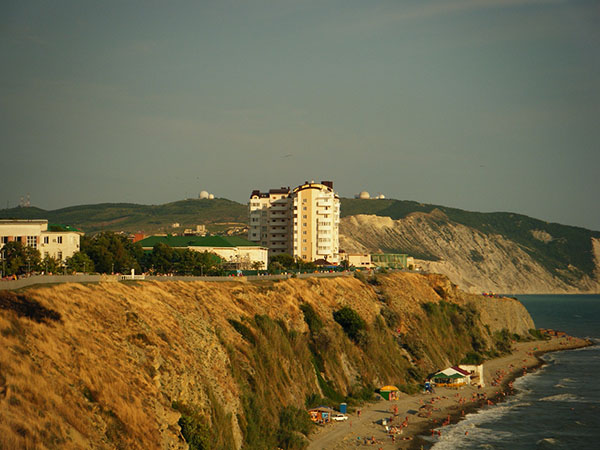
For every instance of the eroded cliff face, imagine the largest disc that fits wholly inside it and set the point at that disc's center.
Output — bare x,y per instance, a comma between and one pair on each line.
116,365
475,261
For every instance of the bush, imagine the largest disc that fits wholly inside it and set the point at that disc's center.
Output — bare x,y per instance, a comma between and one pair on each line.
194,428
352,324
312,319
243,330
472,358
391,317
537,334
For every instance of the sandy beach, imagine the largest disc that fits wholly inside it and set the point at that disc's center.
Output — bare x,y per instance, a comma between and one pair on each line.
446,405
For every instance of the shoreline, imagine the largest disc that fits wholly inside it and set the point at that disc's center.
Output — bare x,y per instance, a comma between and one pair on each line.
451,405
504,389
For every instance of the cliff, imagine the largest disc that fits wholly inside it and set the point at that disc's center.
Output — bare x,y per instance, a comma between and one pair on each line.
225,365
476,261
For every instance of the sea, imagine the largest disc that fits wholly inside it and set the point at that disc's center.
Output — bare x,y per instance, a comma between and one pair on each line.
556,407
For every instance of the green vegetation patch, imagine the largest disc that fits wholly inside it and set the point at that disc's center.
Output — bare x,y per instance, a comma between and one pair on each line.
351,322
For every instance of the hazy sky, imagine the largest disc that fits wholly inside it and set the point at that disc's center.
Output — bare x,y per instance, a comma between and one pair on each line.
484,105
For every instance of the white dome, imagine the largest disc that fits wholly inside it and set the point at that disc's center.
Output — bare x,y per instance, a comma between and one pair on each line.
211,196
203,195
364,195
381,196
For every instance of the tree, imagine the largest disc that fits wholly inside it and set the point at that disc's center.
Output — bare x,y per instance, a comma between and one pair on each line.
50,264
160,260
19,258
164,259
286,261
80,262
112,252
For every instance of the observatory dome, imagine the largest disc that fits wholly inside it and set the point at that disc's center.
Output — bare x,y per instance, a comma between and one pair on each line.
364,195
203,195
211,196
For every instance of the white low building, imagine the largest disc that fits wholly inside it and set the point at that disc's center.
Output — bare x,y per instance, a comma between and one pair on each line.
233,250
57,241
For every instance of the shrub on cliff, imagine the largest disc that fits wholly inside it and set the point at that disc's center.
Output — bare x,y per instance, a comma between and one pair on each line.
312,319
351,322
294,424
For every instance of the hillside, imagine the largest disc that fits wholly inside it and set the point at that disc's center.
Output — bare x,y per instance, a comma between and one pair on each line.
474,260
501,252
131,217
224,365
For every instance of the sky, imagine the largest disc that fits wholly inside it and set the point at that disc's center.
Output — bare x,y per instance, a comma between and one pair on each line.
483,105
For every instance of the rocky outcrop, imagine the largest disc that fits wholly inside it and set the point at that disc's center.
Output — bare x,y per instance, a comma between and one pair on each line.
475,261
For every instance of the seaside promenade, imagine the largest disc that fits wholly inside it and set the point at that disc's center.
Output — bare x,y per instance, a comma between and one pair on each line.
86,278
448,405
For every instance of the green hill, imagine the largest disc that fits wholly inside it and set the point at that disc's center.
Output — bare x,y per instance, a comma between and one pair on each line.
132,217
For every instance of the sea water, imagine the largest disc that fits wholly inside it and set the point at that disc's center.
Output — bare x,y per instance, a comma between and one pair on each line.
556,407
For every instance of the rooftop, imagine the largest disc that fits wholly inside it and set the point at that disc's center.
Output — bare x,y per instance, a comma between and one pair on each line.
198,241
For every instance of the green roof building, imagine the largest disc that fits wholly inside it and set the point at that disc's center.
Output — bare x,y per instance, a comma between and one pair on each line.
235,250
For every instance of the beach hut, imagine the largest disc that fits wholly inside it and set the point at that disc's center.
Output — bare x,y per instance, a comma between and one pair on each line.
390,392
451,377
321,414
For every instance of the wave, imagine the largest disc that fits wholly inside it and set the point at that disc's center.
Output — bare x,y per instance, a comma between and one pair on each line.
562,398
465,434
472,429
546,442
562,384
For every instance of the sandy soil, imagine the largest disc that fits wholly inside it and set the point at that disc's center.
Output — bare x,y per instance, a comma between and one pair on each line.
447,405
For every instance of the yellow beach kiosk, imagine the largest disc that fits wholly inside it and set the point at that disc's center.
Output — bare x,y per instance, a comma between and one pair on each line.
390,392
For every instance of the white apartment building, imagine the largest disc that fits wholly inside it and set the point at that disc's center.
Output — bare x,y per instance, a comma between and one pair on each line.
303,222
57,241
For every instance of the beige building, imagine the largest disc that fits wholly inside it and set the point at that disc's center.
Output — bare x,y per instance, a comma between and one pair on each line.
357,259
57,241
303,222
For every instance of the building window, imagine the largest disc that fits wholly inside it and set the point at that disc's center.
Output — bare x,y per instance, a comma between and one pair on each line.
59,256
46,240
32,241
3,239
59,239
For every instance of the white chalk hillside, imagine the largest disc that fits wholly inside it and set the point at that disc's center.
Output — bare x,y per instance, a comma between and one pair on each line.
473,260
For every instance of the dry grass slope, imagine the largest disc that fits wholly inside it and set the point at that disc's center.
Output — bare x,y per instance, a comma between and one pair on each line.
118,365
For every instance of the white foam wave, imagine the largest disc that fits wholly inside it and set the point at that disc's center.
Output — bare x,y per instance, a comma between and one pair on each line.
472,427
547,441
464,433
561,398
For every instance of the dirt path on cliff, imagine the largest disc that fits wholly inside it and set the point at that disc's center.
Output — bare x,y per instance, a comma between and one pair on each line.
446,402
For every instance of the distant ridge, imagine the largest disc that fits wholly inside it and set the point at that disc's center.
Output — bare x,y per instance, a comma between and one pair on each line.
131,217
